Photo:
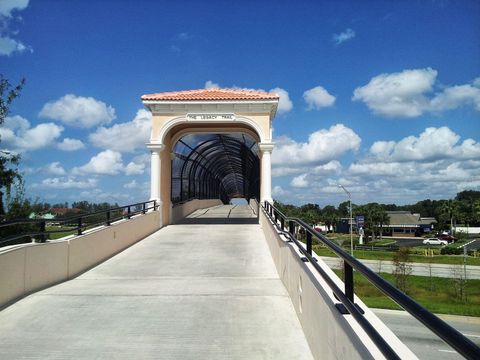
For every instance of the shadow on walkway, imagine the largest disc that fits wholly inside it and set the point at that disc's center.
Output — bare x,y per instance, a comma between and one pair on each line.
218,221
221,215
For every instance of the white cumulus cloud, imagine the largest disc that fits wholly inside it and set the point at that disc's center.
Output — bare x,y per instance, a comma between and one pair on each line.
332,167
55,168
209,84
8,45
323,146
110,162
134,168
125,137
131,185
17,135
318,97
65,183
398,94
71,145
456,96
346,35
300,181
107,162
78,111
8,6
409,93
431,144
284,103
279,191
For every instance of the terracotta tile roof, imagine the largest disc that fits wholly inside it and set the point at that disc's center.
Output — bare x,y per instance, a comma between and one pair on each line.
211,95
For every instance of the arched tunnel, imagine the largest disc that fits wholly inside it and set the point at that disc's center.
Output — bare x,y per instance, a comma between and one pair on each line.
215,166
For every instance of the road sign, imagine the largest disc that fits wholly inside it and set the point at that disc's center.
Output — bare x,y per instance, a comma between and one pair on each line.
360,221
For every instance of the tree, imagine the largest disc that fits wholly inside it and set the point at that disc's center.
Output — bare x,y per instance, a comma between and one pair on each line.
375,218
383,219
450,209
311,213
329,216
9,173
402,268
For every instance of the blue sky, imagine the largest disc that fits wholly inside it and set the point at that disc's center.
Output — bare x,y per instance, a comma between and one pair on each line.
380,96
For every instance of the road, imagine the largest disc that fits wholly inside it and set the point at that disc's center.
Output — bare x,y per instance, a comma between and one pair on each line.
475,244
414,242
421,269
422,341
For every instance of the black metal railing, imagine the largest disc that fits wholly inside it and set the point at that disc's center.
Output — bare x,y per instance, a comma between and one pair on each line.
451,336
27,230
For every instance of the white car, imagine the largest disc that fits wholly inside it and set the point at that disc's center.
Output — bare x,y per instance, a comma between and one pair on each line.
435,241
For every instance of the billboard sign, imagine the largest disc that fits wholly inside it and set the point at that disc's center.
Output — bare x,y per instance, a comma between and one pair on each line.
360,221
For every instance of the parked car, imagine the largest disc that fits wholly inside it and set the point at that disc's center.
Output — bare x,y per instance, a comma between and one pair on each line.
447,237
435,241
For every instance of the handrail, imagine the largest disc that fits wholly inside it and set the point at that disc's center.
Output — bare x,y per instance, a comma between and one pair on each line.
75,223
450,335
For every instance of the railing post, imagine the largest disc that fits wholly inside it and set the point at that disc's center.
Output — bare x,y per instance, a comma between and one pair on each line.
309,242
42,231
143,208
108,218
282,223
348,270
79,228
291,228
129,212
154,205
275,215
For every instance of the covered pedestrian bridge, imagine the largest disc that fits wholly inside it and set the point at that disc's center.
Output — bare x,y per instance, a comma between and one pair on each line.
221,281
208,147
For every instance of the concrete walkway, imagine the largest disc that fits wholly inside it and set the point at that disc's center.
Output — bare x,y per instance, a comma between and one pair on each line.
222,214
186,292
421,269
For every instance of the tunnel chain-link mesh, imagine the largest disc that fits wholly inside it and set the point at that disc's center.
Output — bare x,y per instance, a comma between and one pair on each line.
215,166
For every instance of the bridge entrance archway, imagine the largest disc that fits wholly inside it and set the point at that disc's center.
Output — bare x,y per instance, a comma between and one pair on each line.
210,144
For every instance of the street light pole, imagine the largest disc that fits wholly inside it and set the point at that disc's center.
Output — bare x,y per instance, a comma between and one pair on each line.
350,220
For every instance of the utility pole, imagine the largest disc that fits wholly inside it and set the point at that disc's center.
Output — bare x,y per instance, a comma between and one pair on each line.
350,220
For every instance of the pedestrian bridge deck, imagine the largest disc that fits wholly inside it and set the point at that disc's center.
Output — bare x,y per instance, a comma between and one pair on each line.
202,289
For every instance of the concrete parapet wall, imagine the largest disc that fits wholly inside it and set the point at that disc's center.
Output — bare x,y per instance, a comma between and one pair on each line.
330,334
183,210
28,268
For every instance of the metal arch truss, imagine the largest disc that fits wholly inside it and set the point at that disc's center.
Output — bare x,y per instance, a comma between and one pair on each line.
215,166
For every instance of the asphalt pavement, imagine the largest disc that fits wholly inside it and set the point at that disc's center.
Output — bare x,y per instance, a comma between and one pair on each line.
421,269
475,244
424,343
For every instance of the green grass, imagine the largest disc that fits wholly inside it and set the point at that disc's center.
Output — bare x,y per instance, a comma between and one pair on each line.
388,255
65,231
436,294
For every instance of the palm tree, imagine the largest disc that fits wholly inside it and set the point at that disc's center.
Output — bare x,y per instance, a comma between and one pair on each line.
383,219
450,209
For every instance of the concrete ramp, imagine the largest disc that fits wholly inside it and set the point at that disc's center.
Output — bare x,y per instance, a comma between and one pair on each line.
222,214
190,291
